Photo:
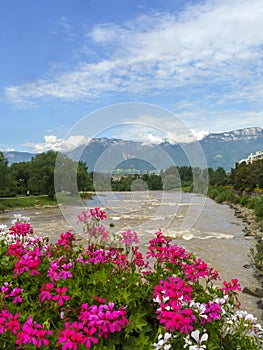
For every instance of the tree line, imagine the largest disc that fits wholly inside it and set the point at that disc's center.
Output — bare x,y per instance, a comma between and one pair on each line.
37,177
247,177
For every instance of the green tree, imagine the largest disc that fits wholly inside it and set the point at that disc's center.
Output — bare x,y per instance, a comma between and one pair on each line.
83,178
257,172
66,174
4,189
171,182
242,178
259,208
186,175
217,177
155,182
101,181
200,180
20,173
42,174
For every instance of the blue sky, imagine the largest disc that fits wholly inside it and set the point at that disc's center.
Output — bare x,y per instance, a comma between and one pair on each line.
65,61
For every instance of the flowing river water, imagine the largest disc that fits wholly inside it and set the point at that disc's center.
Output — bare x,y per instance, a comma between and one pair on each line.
209,230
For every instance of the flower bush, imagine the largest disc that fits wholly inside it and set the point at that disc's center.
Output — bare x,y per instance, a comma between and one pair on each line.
108,294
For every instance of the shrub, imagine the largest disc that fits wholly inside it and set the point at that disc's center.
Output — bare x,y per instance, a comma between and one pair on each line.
259,207
244,200
105,294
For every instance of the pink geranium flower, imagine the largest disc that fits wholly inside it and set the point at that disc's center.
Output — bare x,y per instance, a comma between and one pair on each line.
60,297
46,291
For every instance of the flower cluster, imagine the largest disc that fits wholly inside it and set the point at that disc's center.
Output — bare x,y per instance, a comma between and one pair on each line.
129,238
66,239
32,333
199,269
9,292
49,292
95,213
21,229
107,296
161,249
104,318
58,270
174,297
231,286
93,229
28,333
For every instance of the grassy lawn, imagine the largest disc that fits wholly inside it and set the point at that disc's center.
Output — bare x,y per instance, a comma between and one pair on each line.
25,202
33,201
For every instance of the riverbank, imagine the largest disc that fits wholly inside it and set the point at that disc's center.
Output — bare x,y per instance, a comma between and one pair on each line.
25,202
253,229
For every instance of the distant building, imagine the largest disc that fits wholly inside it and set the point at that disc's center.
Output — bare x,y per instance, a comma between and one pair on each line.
252,158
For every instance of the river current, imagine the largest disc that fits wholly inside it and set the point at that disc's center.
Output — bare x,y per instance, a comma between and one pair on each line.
180,215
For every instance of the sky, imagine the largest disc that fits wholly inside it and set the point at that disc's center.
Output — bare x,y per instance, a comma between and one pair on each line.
134,69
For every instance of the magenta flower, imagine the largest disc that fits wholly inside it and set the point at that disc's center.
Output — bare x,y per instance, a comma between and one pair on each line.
60,297
71,336
6,289
89,338
9,322
16,249
231,286
66,239
21,229
174,297
29,261
57,270
53,271
129,238
196,270
41,337
16,293
95,213
64,274
97,257
98,214
161,249
213,311
32,333
13,324
84,216
104,318
46,291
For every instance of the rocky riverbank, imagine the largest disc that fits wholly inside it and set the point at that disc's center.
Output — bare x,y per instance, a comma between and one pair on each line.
253,230
247,215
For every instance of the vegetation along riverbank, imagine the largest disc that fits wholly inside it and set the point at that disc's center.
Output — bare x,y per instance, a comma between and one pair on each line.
249,208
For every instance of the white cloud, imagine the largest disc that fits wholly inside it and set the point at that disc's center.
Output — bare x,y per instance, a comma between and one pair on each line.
50,139
199,134
156,128
61,145
214,41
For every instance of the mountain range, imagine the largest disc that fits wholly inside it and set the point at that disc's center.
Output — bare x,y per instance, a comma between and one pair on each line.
217,149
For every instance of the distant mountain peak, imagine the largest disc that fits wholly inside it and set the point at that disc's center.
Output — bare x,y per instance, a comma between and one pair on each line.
238,135
220,149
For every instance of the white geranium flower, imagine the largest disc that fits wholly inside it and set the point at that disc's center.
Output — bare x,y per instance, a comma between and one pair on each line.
157,299
199,340
20,218
163,342
3,227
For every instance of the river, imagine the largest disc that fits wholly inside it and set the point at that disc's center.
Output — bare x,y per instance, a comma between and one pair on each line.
209,230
